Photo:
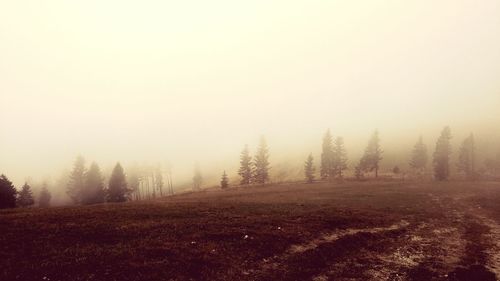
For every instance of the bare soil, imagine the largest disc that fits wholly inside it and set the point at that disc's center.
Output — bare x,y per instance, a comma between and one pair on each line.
324,231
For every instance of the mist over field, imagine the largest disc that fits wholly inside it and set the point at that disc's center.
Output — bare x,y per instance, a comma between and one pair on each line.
183,83
250,140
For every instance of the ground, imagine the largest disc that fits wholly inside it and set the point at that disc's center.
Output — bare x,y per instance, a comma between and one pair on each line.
324,231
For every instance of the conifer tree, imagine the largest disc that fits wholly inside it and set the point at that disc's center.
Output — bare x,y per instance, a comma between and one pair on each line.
25,198
93,192
197,178
309,169
44,198
373,155
339,157
7,193
224,182
76,182
442,155
418,160
117,190
466,158
261,164
245,171
326,169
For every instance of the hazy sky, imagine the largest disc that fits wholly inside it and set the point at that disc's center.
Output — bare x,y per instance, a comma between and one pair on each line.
193,81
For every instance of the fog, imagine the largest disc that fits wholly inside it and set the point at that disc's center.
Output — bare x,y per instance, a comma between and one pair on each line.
191,82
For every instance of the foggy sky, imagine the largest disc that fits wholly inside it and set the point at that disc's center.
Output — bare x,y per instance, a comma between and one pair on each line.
185,82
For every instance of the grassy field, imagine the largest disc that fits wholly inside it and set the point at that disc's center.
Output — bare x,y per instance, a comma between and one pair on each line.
323,231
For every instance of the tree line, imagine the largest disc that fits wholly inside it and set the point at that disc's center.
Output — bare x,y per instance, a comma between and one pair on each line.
87,186
334,159
11,198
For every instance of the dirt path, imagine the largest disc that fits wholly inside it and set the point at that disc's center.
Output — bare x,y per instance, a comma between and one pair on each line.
309,260
459,243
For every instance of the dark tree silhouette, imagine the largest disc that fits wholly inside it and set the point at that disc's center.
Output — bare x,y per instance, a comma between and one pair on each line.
442,155
44,198
117,190
261,163
309,169
418,161
76,182
7,193
466,158
339,157
93,192
224,182
326,169
25,197
245,171
373,155
197,178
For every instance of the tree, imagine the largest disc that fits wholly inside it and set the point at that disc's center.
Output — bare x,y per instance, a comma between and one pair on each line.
442,155
326,169
245,171
373,155
159,180
117,190
358,172
197,178
466,158
418,160
93,192
396,170
261,164
76,182
7,193
309,169
44,198
134,182
224,182
339,157
25,198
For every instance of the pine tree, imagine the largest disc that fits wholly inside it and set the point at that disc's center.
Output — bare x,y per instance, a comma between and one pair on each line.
7,193
261,163
326,169
442,155
197,178
224,182
25,198
373,155
93,192
245,171
466,158
117,190
418,160
309,169
339,157
76,182
44,198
